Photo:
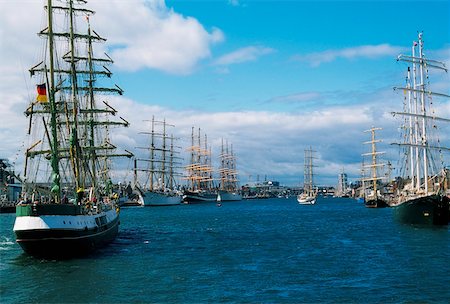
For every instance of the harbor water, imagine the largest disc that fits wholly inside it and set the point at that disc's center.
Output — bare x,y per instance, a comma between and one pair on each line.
254,251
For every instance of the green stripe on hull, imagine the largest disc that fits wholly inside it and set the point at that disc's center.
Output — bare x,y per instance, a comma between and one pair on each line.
47,209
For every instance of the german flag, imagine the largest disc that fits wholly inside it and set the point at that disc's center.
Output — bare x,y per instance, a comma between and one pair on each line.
42,93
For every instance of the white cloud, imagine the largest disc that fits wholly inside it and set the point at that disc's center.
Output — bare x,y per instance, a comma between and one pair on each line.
250,53
364,51
141,34
265,142
155,37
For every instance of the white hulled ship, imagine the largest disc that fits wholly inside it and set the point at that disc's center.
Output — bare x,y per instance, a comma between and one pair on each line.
160,188
309,194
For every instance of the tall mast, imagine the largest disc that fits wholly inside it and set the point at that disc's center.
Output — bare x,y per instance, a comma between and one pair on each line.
374,160
210,182
420,147
234,181
206,184
308,171
152,153
374,157
171,163
91,106
73,75
424,113
163,163
416,120
56,187
191,169
410,131
228,165
222,169
200,163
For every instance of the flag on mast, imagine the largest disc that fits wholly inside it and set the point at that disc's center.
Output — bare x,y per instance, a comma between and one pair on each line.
42,93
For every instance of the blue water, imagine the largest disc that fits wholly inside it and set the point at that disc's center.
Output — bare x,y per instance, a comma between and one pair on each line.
257,251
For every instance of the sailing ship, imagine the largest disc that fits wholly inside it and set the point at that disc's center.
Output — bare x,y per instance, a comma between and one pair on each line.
423,199
161,188
309,194
68,207
199,173
229,187
374,198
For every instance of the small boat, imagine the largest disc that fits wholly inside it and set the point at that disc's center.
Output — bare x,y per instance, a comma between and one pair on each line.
309,194
423,199
68,207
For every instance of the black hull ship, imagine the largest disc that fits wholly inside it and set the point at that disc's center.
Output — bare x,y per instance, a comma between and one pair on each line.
373,198
428,210
424,197
68,207
195,197
376,203
199,173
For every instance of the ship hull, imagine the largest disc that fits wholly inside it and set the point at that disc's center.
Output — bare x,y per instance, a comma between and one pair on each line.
428,210
62,236
193,197
229,196
155,199
375,203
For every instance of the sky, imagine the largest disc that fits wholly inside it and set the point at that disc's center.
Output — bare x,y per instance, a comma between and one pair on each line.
271,77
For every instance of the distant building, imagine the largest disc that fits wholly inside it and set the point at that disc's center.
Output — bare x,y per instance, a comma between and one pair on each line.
9,189
342,185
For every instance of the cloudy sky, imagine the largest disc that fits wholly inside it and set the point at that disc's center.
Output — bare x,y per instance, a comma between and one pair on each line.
271,77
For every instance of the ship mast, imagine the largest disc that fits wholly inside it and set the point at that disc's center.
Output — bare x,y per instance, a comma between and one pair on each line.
417,116
164,150
56,186
171,163
374,155
76,153
152,154
222,168
308,171
91,107
161,165
73,121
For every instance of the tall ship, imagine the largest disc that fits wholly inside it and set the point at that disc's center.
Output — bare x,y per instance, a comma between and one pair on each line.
309,194
160,168
424,197
199,177
373,197
68,207
229,183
